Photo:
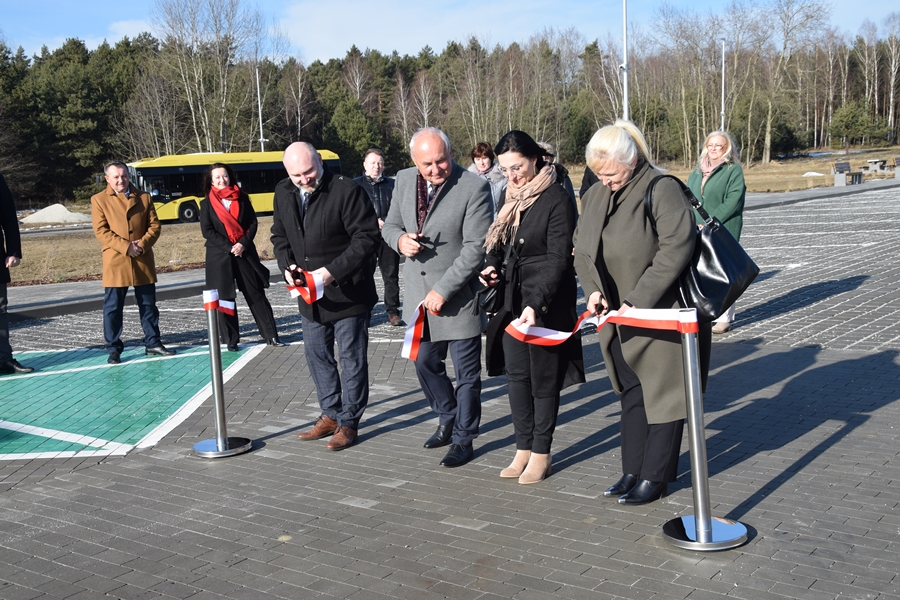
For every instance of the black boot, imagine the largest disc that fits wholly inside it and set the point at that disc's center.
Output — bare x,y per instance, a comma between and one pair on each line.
623,486
644,492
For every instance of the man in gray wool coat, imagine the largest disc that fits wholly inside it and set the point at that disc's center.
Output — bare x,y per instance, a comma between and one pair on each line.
438,220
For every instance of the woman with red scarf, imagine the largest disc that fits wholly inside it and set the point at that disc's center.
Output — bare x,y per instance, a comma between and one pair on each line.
228,223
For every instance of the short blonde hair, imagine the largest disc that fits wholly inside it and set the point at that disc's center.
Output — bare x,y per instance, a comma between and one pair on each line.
622,142
731,155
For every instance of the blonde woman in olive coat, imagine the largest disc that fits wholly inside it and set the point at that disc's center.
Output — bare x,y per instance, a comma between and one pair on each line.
622,263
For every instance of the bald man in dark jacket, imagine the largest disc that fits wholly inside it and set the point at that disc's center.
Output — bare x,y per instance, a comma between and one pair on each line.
324,224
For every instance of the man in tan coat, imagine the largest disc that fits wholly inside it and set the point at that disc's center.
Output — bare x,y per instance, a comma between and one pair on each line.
125,223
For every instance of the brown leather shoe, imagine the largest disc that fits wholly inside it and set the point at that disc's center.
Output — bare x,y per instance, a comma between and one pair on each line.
395,320
344,437
324,427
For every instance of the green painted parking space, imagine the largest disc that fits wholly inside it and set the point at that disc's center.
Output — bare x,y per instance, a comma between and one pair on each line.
75,404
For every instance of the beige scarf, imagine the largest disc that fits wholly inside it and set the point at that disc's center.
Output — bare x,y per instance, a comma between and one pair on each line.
518,200
707,167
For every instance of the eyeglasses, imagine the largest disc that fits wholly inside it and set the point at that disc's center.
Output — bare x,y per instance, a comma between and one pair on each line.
714,146
513,169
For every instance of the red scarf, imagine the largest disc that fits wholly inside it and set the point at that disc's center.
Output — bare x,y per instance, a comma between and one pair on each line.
228,217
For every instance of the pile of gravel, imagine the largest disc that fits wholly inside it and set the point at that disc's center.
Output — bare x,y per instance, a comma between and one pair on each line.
56,213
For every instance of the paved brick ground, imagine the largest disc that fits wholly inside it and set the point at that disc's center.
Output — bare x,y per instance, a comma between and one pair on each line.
802,426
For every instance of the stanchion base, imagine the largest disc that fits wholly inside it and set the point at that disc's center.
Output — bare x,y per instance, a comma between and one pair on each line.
210,448
682,532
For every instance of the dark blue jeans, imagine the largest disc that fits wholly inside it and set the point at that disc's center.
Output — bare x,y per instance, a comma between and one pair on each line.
113,305
461,406
343,395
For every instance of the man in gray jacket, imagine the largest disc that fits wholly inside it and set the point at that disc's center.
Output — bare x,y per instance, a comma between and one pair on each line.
438,220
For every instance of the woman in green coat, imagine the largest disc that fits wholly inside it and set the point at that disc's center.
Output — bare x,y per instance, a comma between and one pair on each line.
718,182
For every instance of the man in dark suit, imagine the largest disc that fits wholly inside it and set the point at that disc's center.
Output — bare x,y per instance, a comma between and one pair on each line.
11,245
438,221
325,225
380,190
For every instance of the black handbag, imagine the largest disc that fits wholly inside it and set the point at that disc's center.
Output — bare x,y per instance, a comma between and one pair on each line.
491,298
720,269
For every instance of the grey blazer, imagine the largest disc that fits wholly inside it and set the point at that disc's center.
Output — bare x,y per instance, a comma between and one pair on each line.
455,228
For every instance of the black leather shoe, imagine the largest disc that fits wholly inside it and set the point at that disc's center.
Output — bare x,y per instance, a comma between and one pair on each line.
441,437
275,342
114,358
623,486
644,492
458,455
232,347
12,366
159,351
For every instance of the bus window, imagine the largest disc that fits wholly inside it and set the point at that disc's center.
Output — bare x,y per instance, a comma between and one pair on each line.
184,184
158,190
334,166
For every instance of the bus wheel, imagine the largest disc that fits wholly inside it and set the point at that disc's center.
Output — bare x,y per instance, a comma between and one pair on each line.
188,212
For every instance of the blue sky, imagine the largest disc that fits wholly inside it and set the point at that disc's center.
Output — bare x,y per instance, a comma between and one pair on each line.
326,29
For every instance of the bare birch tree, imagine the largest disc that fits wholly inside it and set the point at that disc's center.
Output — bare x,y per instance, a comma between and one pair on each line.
795,21
892,45
425,100
204,41
867,55
402,106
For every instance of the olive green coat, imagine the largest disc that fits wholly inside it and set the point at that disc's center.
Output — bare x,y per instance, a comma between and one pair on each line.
618,254
117,222
722,196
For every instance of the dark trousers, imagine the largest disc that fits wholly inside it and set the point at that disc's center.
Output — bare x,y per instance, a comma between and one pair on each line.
534,419
461,406
114,304
5,348
342,396
649,451
251,287
389,263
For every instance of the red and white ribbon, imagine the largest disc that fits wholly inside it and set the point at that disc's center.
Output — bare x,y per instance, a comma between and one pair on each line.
413,338
210,300
674,319
227,307
314,289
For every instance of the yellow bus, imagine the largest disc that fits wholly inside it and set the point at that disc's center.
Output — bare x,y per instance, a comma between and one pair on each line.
174,181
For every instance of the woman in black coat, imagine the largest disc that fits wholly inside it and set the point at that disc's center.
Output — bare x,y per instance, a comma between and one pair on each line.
228,223
538,220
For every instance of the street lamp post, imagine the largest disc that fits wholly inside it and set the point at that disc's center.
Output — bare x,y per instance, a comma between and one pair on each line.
624,66
262,139
722,127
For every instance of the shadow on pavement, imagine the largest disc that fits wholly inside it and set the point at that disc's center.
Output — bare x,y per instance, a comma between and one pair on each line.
803,398
799,298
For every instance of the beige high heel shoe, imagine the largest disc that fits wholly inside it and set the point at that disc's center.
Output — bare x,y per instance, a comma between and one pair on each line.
517,466
539,467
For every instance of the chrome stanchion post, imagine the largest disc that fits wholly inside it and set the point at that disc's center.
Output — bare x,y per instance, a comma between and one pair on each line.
700,531
222,445
215,368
